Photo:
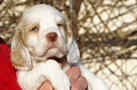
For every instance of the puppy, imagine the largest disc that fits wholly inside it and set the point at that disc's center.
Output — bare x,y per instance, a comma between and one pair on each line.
42,38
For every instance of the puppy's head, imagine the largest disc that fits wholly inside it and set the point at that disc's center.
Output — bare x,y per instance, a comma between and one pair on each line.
43,32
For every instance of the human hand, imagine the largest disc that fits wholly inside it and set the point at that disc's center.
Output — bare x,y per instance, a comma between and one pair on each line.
77,81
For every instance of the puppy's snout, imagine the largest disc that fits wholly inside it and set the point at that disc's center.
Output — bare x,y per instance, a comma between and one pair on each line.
52,36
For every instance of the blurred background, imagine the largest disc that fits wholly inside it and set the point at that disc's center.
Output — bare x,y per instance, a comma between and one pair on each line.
105,30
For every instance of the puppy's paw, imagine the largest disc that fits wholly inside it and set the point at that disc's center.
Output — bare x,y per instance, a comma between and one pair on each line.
56,76
62,82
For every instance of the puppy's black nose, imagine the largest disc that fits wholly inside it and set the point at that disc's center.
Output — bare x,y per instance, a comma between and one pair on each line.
52,36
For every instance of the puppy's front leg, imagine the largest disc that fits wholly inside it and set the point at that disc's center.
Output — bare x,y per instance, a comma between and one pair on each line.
56,76
49,70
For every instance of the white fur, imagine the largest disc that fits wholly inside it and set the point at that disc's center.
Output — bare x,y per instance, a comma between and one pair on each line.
37,49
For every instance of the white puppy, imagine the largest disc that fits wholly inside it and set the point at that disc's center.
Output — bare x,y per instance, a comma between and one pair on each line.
42,38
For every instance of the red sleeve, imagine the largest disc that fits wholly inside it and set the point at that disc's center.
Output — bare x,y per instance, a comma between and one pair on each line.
8,80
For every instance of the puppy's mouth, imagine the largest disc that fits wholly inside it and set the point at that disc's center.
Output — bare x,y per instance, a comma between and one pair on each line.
59,60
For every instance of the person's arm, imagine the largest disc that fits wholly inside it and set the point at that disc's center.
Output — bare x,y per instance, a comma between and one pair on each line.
77,81
8,78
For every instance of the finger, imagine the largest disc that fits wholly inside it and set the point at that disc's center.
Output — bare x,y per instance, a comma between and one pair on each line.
46,86
73,72
82,81
74,85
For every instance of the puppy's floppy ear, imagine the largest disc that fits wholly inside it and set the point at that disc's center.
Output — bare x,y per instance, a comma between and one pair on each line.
20,56
73,54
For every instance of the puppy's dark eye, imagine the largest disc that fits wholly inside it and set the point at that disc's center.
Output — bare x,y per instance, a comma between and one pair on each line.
34,29
60,25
